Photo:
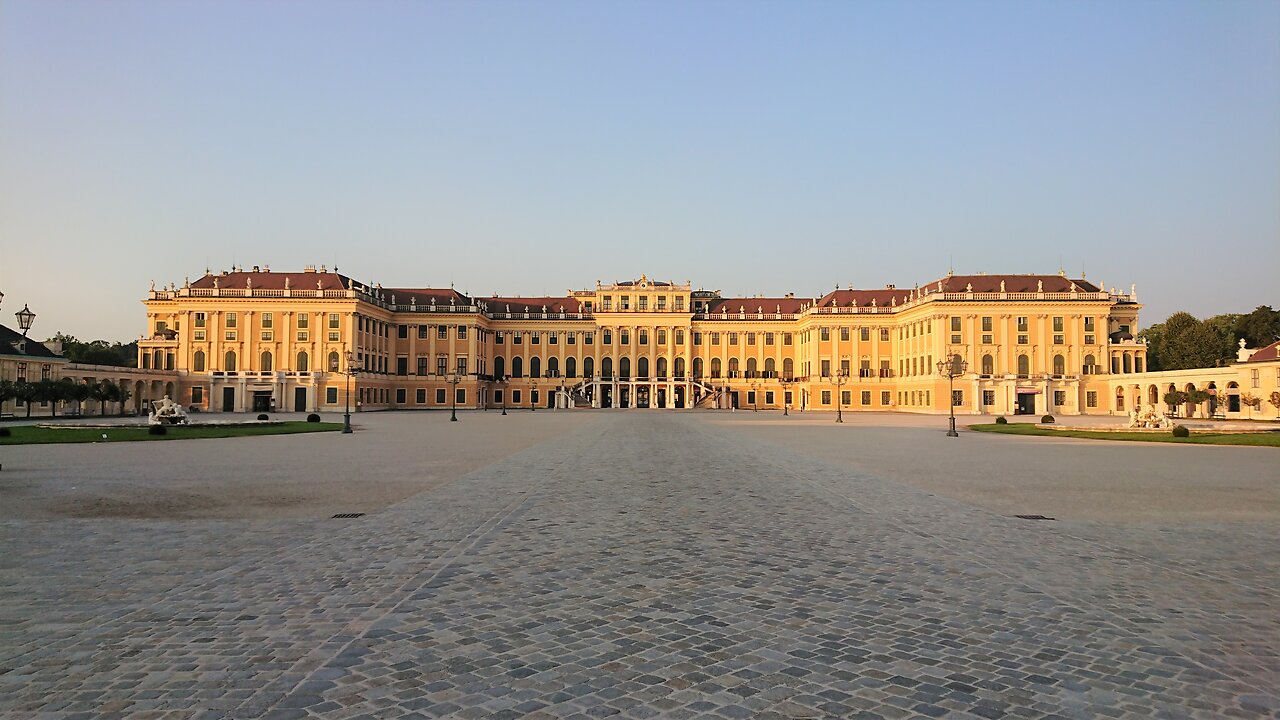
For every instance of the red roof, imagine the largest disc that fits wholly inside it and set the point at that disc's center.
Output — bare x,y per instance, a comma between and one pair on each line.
1012,283
275,280
1268,353
753,305
532,304
424,296
864,298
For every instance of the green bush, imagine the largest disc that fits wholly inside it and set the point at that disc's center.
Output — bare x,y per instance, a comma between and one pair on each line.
313,418
263,416
1001,421
157,430
1047,420
5,432
1181,431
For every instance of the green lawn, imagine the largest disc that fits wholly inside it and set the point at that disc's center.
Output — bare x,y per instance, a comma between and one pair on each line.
32,435
1271,439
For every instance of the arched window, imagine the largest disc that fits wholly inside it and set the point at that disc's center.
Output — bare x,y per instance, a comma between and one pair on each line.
698,367
662,367
642,367
715,367
751,367
1153,395
553,366
606,368
1089,362
517,366
680,367
1059,365
333,362
770,370
624,367
1119,398
1024,366
571,367
197,361
265,365
588,367
304,362
535,367
733,367
229,362
499,367
788,368
988,364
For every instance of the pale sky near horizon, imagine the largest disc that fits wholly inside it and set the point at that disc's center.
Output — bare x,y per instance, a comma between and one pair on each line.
529,148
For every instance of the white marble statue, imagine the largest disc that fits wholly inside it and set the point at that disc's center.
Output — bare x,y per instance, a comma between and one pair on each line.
1148,418
167,412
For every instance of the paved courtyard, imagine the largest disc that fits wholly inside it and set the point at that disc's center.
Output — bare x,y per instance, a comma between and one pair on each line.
642,564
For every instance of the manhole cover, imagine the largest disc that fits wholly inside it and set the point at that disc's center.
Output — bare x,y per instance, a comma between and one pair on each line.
1034,517
345,516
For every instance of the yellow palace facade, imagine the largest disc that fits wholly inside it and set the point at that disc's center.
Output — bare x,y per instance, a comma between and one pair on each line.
259,340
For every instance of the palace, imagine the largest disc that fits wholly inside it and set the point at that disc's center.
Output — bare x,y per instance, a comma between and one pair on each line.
259,340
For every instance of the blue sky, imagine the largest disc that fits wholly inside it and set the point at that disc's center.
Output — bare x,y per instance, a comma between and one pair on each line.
526,148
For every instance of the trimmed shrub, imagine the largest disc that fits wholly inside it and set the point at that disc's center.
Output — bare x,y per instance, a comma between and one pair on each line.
263,416
1001,421
1047,420
5,432
313,418
157,430
1181,431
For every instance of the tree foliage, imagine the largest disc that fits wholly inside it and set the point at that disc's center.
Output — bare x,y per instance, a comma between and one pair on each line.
97,352
1183,342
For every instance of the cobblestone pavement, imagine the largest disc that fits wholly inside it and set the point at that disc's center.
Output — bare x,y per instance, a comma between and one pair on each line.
645,565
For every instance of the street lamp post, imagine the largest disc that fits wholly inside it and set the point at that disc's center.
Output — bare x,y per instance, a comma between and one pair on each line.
552,386
453,381
350,371
25,318
533,391
786,388
951,368
755,397
840,379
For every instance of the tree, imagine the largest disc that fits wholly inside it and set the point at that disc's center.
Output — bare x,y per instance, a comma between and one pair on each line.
1174,399
97,352
1197,397
26,392
101,392
1250,401
1275,400
1260,327
75,392
119,393
1224,328
1183,342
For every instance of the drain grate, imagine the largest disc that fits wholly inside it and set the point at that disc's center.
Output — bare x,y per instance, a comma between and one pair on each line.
1034,517
346,516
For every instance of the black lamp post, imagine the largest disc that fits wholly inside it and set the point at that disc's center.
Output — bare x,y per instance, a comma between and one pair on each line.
453,381
755,397
840,379
786,388
952,368
533,392
25,318
334,368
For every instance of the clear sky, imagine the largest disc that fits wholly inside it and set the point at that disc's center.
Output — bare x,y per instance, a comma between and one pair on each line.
530,147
